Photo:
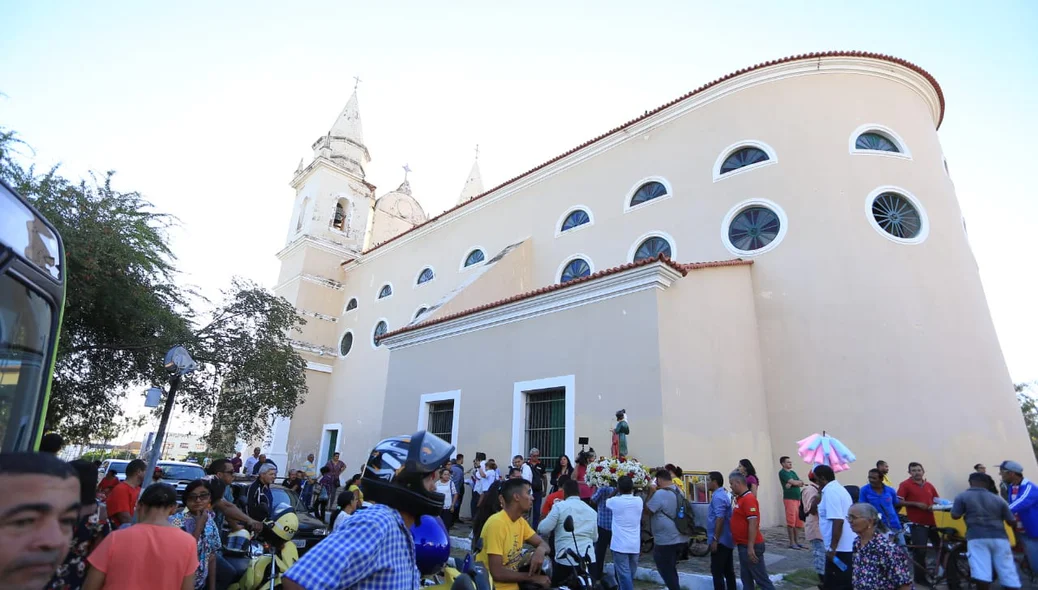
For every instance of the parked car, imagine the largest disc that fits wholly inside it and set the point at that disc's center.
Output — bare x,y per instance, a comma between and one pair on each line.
119,465
311,530
178,474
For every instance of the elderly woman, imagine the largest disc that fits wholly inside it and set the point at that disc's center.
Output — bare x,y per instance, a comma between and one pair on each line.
879,564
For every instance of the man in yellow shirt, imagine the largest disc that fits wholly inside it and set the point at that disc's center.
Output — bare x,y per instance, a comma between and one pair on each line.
503,537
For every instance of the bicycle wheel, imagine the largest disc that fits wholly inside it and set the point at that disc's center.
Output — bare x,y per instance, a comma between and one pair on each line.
957,569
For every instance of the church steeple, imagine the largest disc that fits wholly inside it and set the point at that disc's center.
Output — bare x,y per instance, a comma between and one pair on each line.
474,184
344,143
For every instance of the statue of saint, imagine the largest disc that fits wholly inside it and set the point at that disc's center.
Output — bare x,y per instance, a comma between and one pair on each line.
620,432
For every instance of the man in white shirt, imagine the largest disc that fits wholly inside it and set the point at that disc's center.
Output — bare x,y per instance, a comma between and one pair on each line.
251,461
836,530
585,530
627,530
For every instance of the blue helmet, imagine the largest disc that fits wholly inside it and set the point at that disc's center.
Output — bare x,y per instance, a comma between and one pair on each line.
396,470
432,545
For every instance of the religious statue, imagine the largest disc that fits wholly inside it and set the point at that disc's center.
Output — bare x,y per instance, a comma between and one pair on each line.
620,432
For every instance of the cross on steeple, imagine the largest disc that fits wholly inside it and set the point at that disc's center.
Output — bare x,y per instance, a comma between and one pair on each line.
357,83
477,152
406,170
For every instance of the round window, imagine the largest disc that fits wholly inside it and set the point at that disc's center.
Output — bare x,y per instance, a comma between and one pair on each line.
897,216
754,228
346,343
380,330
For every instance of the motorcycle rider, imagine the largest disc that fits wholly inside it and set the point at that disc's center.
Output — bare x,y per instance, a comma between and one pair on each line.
374,549
278,534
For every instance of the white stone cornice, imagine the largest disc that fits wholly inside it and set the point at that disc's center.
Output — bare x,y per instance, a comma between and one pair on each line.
319,316
314,349
300,177
315,279
866,66
319,367
318,243
657,275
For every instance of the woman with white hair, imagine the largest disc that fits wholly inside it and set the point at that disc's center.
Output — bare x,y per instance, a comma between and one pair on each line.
879,564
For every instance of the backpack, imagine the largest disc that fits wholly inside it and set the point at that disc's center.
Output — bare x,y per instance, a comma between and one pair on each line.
685,520
801,513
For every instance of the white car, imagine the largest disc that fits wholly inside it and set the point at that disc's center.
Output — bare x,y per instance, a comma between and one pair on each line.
175,473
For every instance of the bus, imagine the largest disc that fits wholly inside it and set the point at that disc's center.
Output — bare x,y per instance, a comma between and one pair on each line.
32,297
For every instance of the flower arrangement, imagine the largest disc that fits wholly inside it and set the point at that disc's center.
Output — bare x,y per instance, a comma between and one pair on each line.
606,471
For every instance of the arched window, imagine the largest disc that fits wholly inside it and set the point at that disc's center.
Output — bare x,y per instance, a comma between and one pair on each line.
302,213
475,257
425,276
575,219
352,304
743,157
420,311
876,142
647,192
346,344
651,248
385,291
380,330
577,268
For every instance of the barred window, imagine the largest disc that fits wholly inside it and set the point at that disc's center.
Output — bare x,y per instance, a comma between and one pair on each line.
546,424
441,419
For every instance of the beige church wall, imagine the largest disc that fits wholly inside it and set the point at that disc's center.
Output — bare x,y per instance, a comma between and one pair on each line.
609,347
714,405
505,278
303,439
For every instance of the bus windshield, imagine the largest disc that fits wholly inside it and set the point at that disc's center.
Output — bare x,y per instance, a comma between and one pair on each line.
25,326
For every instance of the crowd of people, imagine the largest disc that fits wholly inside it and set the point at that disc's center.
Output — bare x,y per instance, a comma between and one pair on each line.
64,529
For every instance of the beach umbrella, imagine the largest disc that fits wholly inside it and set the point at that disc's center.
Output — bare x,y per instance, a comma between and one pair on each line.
822,449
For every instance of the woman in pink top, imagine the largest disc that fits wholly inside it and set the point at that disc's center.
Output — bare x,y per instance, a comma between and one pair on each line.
151,554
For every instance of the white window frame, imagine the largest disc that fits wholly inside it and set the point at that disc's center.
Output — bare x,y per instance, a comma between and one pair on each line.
562,219
338,345
346,311
887,132
415,284
337,426
427,399
461,265
630,193
414,316
519,391
924,231
392,291
571,258
653,234
778,210
371,334
767,149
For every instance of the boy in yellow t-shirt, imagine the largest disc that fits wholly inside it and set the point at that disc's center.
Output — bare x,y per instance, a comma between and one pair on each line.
503,537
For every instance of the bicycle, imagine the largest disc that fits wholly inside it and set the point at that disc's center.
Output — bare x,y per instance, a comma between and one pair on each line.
949,562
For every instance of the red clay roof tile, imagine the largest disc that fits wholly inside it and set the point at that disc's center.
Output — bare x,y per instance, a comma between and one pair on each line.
816,55
681,268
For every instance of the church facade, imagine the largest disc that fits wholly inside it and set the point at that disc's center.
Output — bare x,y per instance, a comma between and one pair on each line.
777,253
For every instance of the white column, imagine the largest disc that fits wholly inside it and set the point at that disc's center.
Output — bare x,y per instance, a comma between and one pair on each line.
278,452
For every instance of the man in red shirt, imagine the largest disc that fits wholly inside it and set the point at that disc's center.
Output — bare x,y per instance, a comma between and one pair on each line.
917,497
746,527
123,498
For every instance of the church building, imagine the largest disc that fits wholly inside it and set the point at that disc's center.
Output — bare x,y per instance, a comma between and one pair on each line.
777,253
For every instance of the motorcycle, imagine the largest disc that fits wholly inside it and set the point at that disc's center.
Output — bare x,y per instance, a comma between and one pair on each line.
468,574
261,562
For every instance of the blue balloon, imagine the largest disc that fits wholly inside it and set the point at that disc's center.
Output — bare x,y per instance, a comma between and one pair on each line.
432,544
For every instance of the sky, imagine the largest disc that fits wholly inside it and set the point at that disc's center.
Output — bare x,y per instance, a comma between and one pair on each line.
206,107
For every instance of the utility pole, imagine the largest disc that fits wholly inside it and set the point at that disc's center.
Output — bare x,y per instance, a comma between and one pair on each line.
178,363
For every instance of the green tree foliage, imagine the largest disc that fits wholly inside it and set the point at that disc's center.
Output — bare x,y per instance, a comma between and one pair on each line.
1029,408
124,309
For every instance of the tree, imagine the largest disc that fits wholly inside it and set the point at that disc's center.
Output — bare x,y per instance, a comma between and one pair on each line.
1029,408
124,309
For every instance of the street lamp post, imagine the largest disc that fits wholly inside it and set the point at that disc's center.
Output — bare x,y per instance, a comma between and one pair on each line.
178,363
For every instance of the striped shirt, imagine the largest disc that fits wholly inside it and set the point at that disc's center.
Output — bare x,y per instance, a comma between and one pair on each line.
605,515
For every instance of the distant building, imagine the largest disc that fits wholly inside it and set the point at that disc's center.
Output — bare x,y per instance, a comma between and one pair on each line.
774,254
175,445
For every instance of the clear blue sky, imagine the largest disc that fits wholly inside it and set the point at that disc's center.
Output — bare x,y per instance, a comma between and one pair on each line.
206,107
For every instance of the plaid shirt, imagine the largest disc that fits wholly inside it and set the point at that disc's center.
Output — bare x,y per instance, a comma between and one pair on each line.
605,515
373,550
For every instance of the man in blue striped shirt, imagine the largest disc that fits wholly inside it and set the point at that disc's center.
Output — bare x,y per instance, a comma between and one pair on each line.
374,550
605,528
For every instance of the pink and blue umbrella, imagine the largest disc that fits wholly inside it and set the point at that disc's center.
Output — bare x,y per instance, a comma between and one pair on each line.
822,449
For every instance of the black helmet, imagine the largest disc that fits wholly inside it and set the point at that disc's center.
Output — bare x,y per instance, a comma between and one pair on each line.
397,467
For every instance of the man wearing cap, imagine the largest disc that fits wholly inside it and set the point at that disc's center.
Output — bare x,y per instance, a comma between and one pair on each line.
986,539
1023,502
